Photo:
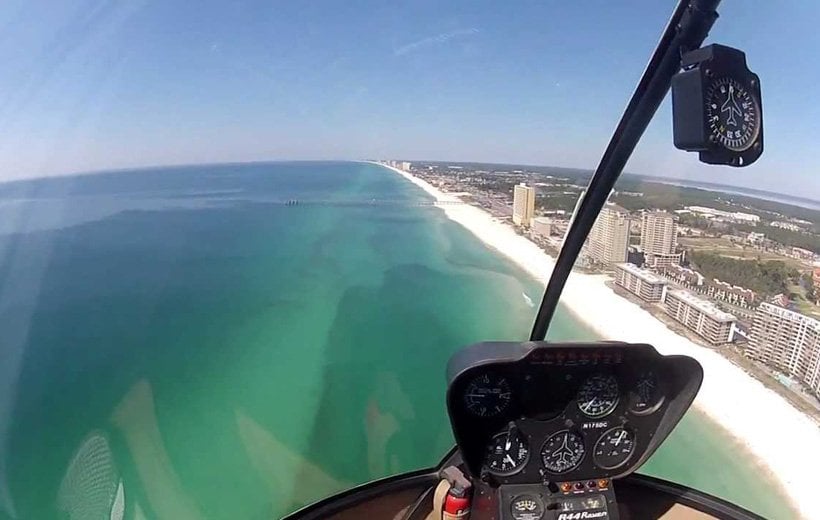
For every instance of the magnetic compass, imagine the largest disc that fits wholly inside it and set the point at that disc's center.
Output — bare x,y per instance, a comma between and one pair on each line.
717,108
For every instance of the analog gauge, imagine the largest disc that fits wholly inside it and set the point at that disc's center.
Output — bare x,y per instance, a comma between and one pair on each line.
647,396
563,452
614,448
527,507
507,452
598,395
487,395
732,114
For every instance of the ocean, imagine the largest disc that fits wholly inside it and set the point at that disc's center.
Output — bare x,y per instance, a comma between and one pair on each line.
236,341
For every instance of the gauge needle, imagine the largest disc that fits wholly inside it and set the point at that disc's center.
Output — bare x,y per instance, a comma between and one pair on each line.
620,437
510,459
509,443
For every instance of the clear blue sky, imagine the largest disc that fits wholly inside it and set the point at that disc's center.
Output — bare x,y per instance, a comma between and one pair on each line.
87,85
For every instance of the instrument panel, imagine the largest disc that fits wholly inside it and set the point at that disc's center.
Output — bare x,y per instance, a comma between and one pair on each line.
537,412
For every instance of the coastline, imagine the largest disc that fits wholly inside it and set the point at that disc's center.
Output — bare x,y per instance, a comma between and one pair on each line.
780,437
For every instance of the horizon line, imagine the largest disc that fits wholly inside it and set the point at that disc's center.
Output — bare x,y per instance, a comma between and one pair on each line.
124,169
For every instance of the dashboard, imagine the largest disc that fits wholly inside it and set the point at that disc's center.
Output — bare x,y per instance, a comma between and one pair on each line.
563,419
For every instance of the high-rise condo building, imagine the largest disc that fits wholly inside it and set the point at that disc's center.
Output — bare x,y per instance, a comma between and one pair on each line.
609,238
523,205
700,316
787,341
659,239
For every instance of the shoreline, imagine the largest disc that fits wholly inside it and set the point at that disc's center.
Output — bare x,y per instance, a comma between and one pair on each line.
780,437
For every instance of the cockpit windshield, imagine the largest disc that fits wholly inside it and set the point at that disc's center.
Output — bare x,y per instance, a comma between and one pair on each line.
239,242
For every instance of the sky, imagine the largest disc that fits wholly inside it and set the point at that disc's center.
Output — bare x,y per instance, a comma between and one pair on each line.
93,84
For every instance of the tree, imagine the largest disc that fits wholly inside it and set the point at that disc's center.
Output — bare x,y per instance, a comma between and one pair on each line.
807,282
768,278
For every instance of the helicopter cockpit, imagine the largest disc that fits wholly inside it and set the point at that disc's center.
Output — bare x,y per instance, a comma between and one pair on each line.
369,260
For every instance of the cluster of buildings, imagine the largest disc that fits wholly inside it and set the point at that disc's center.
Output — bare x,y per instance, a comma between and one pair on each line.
780,338
802,254
759,241
684,276
401,165
734,294
608,241
791,226
698,315
723,216
714,289
608,244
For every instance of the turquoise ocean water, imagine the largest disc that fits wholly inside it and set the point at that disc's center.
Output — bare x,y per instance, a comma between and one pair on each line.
190,343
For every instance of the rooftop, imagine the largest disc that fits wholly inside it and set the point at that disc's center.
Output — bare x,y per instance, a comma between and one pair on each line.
706,307
614,207
658,213
643,274
789,315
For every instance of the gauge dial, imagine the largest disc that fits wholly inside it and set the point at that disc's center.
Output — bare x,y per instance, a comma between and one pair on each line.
614,448
507,453
563,452
527,507
647,396
598,395
487,395
732,114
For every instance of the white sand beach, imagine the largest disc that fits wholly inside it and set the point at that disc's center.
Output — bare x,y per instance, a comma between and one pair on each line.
785,440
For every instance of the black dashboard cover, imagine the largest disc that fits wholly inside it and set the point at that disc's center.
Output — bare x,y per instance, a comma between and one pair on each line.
682,379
